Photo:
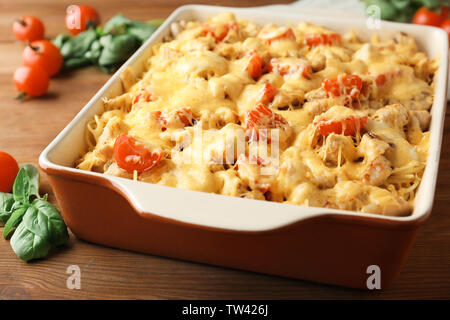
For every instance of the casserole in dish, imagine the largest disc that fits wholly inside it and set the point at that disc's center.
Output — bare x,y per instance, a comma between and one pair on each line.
326,245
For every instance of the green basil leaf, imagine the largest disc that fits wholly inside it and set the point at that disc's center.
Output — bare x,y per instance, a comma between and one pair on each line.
74,63
6,206
77,46
27,245
116,24
141,30
22,187
119,49
60,40
105,40
37,222
33,174
14,220
56,227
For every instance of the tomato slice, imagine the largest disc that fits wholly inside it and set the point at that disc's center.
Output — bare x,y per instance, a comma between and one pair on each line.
267,93
219,30
261,117
329,39
255,64
176,119
285,68
143,95
344,84
278,34
380,80
132,156
348,126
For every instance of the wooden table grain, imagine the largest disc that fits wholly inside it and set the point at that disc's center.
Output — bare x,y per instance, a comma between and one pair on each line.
106,273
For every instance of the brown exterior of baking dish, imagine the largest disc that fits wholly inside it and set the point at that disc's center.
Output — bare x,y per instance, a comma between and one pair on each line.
334,249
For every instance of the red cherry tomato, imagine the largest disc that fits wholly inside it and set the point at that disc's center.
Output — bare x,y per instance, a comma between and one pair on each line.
328,39
45,54
349,125
219,30
267,93
261,117
285,68
131,155
80,18
281,33
427,17
446,26
344,84
8,172
143,95
255,64
28,28
32,81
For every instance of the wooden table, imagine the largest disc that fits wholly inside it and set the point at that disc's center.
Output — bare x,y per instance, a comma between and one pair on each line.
27,127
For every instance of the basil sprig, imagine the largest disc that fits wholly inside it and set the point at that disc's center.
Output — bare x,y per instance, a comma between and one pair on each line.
34,223
108,48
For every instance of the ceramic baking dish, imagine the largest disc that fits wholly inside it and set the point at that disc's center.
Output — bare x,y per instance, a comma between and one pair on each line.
316,244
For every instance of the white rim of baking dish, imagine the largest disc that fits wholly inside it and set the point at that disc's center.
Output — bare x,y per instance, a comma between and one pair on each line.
237,214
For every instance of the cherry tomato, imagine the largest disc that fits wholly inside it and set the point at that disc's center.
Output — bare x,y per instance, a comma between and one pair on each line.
328,39
220,30
284,68
8,172
143,95
32,81
281,33
176,119
254,66
349,125
446,26
344,84
80,18
131,155
261,117
427,17
45,54
380,80
28,28
267,93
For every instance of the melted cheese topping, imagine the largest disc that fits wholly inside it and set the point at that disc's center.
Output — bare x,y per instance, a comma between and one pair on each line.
376,169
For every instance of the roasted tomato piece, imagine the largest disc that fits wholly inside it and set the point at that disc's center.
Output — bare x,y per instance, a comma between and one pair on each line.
261,117
343,85
219,30
267,93
143,95
132,155
348,126
329,39
255,64
176,119
268,36
380,79
285,67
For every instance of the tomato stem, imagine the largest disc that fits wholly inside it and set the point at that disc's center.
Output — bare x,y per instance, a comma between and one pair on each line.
22,22
36,49
21,96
